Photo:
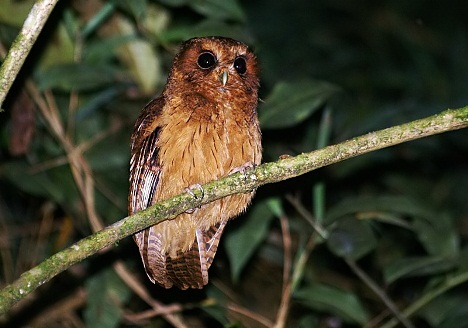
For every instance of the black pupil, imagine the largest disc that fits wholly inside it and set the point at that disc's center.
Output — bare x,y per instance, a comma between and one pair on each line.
206,60
240,65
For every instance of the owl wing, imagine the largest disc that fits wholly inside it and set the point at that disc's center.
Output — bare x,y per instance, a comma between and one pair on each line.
144,165
144,177
187,269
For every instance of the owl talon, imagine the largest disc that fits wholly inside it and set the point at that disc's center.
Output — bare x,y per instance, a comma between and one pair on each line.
189,191
243,169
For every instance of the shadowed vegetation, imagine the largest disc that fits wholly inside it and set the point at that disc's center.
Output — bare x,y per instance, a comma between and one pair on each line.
374,241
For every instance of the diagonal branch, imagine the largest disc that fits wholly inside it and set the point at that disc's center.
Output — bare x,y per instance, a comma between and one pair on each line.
263,174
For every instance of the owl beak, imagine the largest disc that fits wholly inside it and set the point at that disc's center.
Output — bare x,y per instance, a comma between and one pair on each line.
223,77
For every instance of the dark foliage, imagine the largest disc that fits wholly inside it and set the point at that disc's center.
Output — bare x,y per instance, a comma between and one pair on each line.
395,220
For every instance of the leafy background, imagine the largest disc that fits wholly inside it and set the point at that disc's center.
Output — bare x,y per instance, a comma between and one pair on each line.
355,244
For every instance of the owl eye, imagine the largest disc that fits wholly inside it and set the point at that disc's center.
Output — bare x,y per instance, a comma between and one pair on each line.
240,65
206,60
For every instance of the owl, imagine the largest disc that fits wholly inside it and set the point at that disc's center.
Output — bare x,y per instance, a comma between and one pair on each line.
202,127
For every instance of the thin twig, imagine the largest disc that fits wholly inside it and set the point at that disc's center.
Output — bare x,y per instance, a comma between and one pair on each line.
169,312
450,282
283,310
155,312
56,311
304,256
375,321
319,229
380,293
287,245
250,314
301,263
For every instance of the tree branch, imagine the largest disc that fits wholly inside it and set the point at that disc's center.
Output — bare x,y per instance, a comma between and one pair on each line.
23,44
263,174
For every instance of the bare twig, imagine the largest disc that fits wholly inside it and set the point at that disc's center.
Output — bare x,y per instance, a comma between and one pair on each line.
319,229
380,293
451,281
283,310
250,314
304,255
169,312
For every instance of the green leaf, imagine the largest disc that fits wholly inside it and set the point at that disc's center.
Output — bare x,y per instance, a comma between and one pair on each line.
342,303
438,234
435,231
106,296
318,198
97,102
290,103
109,154
137,8
207,27
100,51
58,50
141,58
79,77
98,19
216,304
56,184
442,309
174,3
457,316
351,238
308,321
393,204
14,12
242,243
275,206
417,266
219,9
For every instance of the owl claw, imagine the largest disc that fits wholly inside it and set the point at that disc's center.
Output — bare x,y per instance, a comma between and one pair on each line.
243,169
198,186
189,191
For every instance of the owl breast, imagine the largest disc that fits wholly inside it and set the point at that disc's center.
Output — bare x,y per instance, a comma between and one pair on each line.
213,140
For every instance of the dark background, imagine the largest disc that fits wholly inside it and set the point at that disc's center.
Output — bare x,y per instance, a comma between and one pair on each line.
395,220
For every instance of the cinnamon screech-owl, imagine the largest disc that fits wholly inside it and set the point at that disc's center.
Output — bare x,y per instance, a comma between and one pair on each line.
203,126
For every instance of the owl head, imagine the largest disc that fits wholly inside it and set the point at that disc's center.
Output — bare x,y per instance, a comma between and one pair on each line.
215,65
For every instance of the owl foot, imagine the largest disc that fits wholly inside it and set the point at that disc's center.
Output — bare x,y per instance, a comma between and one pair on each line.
243,169
198,186
189,191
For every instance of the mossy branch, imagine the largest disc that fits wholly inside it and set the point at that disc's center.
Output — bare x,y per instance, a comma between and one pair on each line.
263,174
23,43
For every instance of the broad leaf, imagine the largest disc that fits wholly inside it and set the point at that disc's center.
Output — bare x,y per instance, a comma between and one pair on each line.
79,77
420,266
438,234
351,238
219,9
106,296
290,103
242,243
443,309
342,303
